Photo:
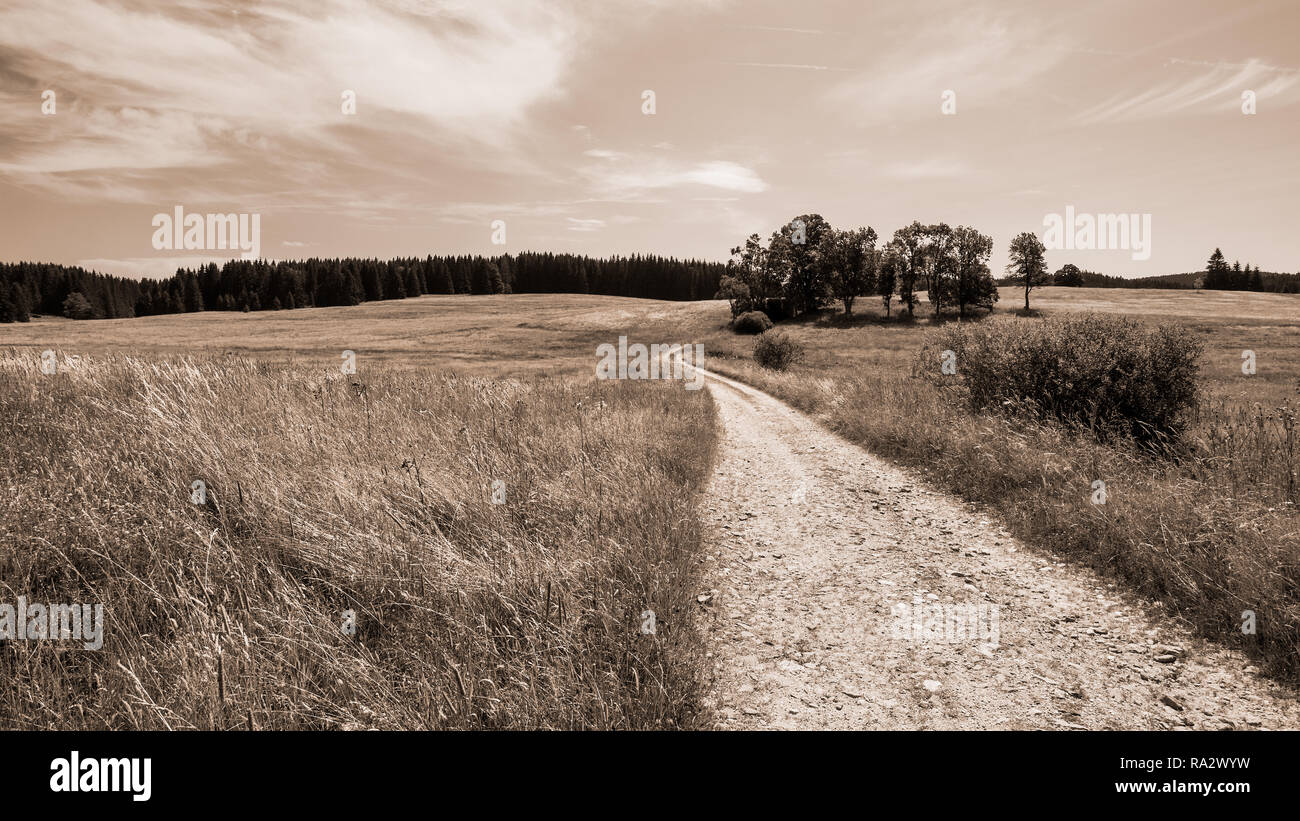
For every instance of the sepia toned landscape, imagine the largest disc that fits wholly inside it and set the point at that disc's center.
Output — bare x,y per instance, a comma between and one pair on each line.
926,370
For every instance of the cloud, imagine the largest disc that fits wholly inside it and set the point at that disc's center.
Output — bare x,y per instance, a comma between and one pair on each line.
201,84
629,175
585,224
931,169
980,56
790,65
1211,88
782,28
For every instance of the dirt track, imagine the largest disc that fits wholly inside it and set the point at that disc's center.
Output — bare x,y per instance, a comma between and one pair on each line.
815,541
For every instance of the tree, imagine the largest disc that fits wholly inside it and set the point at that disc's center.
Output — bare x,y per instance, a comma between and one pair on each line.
192,293
487,278
76,306
848,260
14,305
937,265
1068,275
1027,262
737,293
754,266
886,275
974,282
794,249
1216,272
906,247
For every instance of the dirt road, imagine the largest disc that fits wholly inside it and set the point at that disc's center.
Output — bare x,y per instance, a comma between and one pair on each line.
818,544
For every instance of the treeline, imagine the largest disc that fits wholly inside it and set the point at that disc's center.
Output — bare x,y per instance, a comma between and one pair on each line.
28,288
807,264
1217,276
1220,277
1070,275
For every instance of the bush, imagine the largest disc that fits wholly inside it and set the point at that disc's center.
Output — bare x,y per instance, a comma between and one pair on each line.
752,322
776,350
1110,374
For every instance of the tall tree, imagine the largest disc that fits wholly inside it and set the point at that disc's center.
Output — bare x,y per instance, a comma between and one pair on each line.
906,247
1027,262
1216,271
754,266
887,275
795,248
938,266
848,261
974,283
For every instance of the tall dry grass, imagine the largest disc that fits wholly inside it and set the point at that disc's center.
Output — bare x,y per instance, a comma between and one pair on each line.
371,493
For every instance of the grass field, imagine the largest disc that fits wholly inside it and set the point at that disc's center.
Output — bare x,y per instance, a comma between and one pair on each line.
327,493
501,336
370,493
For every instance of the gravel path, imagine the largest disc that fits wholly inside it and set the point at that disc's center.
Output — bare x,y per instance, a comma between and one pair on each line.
819,544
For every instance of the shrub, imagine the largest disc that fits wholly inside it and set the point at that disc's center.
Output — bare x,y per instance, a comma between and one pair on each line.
1111,374
752,322
776,350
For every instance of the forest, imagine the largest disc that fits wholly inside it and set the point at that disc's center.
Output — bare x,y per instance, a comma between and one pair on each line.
34,288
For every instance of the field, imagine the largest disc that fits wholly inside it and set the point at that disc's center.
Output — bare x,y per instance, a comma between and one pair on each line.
346,565
371,493
499,336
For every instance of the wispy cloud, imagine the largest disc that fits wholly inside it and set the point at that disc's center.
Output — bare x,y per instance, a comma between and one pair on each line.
980,55
781,28
630,174
1202,88
205,83
928,169
800,66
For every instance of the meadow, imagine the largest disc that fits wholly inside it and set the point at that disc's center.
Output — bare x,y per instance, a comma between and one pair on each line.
372,493
409,546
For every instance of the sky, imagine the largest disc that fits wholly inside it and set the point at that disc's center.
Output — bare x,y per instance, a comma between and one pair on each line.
534,113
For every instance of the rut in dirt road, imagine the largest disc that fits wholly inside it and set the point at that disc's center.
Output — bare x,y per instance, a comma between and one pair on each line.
814,541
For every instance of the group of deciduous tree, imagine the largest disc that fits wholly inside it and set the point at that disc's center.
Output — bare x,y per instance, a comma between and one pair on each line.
43,288
807,264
